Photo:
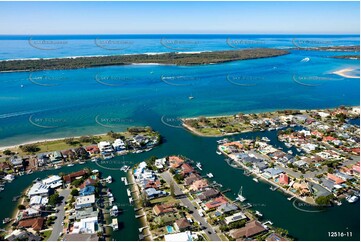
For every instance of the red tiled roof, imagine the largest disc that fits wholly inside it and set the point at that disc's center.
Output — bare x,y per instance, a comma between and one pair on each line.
251,229
216,202
35,223
71,176
335,178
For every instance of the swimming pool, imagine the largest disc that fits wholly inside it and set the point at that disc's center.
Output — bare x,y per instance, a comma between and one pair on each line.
170,229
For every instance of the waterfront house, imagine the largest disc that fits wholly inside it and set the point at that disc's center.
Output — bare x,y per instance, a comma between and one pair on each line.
22,235
191,178
161,209
84,213
186,169
225,209
38,200
80,237
56,156
53,181
38,189
152,193
216,203
69,154
302,188
318,191
235,217
72,176
260,166
251,229
208,194
88,182
4,166
283,179
152,184
175,161
335,178
275,237
119,145
199,185
86,225
35,223
31,212
81,153
160,163
182,225
84,201
92,149
86,191
16,162
273,172
184,236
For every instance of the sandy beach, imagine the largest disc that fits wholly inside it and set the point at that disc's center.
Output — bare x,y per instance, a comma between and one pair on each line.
345,73
42,141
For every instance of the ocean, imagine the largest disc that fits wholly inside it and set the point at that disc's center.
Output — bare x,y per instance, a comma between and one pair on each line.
62,103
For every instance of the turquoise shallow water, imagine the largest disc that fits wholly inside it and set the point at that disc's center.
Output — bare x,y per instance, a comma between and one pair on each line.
51,104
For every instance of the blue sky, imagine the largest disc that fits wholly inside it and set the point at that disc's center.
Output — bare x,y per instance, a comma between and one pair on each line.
179,17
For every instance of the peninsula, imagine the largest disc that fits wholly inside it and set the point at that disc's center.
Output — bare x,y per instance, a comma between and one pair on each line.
200,58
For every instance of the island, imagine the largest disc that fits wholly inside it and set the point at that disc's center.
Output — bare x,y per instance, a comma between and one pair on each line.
315,157
200,58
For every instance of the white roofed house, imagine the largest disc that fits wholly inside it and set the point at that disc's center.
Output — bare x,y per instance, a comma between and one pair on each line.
53,181
235,217
159,163
38,189
84,201
86,226
16,161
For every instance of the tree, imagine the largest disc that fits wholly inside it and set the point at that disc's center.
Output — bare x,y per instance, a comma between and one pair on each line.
324,200
74,192
172,192
21,207
7,152
54,199
29,148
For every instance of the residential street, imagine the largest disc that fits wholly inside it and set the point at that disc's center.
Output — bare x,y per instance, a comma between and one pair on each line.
177,191
58,227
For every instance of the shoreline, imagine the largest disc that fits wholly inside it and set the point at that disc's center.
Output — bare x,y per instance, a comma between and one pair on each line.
196,132
2,148
344,73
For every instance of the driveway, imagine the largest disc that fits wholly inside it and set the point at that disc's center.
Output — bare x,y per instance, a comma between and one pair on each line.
58,227
177,191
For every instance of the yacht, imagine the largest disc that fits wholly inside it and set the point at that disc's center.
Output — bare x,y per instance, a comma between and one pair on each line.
9,178
70,164
258,213
210,175
265,139
199,166
114,211
290,152
255,179
219,153
352,199
241,198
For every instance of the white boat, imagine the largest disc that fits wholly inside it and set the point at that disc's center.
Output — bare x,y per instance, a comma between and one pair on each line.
190,97
265,139
298,149
255,179
222,141
108,156
114,211
273,188
95,171
259,214
338,203
210,175
199,166
125,168
288,145
94,159
290,198
290,152
109,179
82,162
115,224
352,199
9,178
70,165
305,59
219,153
241,198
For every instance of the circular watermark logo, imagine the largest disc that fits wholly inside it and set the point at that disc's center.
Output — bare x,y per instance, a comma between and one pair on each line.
113,44
308,208
312,81
179,44
179,80
244,80
46,122
46,44
172,121
244,43
112,80
112,121
47,80
310,43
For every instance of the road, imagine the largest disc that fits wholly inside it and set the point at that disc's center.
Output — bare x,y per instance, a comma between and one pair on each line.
185,200
58,227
